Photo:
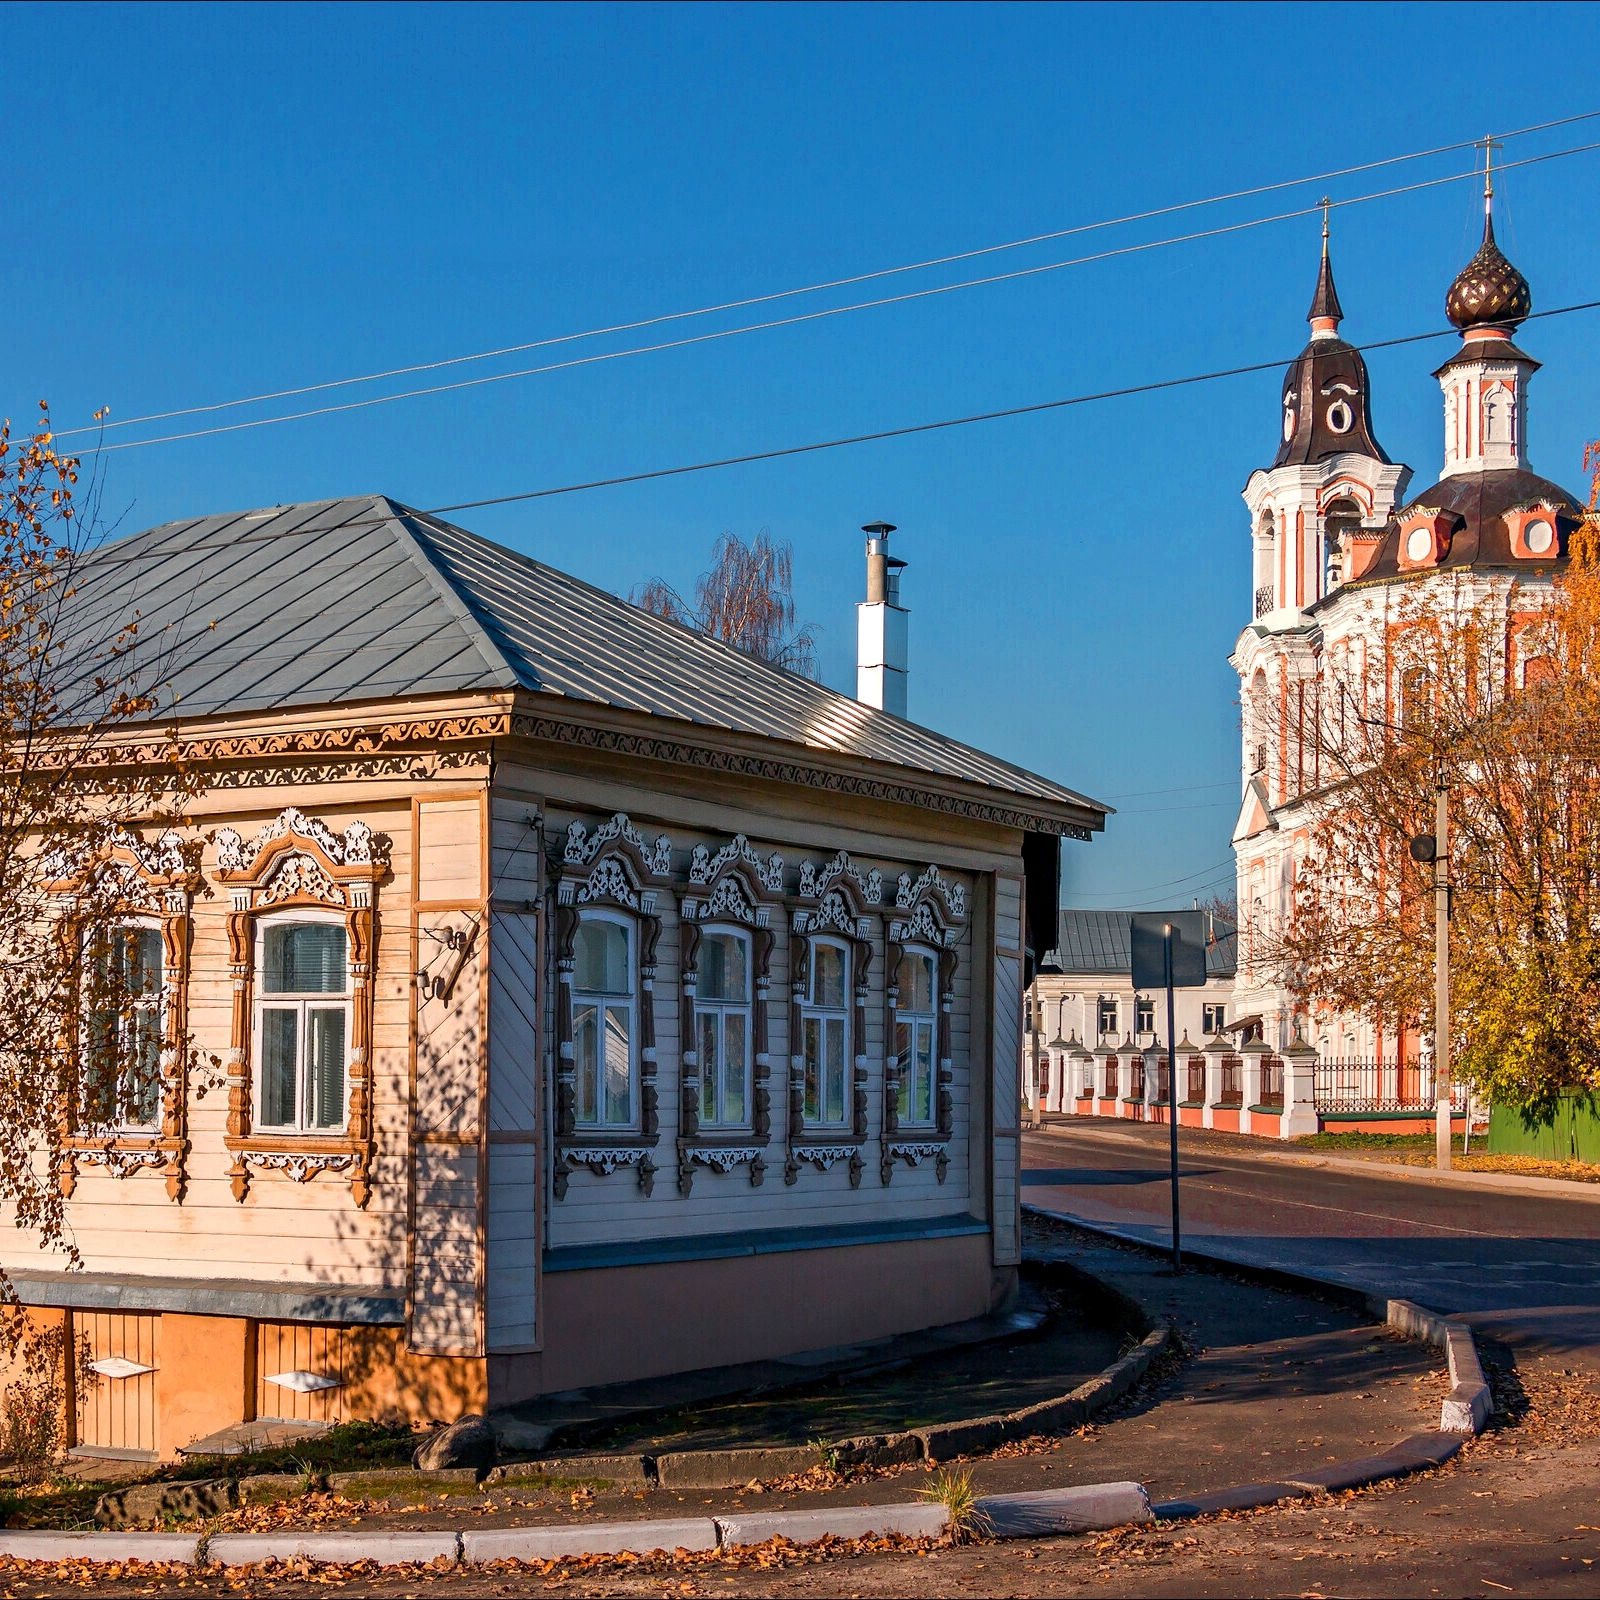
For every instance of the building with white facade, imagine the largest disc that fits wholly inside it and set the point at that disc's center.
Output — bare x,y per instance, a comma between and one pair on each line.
1340,541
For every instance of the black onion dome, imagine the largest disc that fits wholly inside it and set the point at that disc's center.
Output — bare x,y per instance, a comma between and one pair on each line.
1488,290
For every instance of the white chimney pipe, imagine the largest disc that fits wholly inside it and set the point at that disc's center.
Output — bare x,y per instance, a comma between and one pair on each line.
881,627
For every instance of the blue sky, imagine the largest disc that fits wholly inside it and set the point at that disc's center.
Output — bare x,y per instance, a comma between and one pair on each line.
212,202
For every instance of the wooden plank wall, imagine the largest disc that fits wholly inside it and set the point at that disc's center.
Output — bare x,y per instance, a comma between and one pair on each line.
513,1233
1007,1034
447,1189
120,1413
285,1347
603,1209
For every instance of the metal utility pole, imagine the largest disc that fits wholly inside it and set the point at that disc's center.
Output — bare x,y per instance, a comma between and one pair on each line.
1441,976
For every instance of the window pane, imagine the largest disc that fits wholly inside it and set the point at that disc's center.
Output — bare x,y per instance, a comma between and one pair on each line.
735,1065
279,1058
143,960
902,1055
724,967
827,975
706,1045
303,958
602,958
924,1072
325,1068
586,1050
142,1106
813,1069
835,1048
914,979
619,1065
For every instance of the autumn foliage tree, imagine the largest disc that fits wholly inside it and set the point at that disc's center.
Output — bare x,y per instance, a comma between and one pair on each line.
1493,692
746,600
85,1050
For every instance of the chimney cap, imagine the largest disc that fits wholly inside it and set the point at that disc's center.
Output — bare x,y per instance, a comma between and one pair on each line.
896,563
877,529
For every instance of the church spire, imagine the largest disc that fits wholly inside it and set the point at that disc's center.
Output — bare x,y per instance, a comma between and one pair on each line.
1326,313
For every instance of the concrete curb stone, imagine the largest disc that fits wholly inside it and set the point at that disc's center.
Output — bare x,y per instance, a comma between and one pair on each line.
38,1544
879,1450
1242,1497
1416,1454
591,1539
720,1469
149,1502
925,1519
1076,1510
385,1548
633,1471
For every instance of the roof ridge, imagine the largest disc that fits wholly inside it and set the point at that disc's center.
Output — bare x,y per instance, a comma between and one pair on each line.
444,586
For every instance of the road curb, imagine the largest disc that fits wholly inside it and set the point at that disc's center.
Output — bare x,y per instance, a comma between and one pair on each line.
1467,1407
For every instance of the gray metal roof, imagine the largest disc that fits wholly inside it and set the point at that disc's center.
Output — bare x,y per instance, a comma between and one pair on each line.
366,599
1099,942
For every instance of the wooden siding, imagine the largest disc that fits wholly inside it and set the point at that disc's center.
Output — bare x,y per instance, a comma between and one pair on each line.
449,850
285,1347
613,1208
1005,1066
515,866
284,1231
119,1414
512,1265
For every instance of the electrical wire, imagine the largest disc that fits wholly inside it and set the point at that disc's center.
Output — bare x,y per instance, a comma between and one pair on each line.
860,438
836,283
814,316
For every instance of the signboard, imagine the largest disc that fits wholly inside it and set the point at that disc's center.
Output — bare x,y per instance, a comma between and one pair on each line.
1148,937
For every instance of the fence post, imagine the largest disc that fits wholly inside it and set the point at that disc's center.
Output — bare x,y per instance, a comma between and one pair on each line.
1080,1063
1299,1090
1253,1054
1105,1081
1152,1080
1216,1048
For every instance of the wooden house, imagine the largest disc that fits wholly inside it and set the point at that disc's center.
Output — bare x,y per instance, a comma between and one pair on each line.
593,1001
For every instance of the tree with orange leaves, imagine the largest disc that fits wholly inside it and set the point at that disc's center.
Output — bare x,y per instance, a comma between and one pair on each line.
87,1049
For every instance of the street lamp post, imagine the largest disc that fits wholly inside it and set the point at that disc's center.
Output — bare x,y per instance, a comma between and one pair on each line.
1435,848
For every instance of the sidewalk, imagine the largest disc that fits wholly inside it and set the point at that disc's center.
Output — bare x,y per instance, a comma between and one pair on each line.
1280,1384
1212,1141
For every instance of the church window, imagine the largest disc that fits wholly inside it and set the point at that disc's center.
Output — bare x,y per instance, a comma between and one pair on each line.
1341,419
1147,1015
1539,537
1215,1018
1419,544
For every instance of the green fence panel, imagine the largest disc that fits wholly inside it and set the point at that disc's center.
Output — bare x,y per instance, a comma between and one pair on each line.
1570,1133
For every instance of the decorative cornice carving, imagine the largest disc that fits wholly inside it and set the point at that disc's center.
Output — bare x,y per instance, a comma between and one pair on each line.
921,927
301,1165
681,753
914,1151
704,867
833,916
122,1158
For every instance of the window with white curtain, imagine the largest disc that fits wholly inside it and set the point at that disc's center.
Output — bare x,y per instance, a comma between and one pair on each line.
723,1028
603,1022
915,1030
123,1047
825,1034
302,1024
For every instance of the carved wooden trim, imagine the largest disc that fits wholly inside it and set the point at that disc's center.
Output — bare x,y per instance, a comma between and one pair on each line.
929,911
298,861
612,866
733,886
478,728
131,878
835,898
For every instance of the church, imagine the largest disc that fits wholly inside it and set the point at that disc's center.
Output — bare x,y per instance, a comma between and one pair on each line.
1340,541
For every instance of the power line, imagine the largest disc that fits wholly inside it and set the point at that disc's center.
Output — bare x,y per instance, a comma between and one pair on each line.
952,422
836,283
1150,888
1183,788
814,316
867,438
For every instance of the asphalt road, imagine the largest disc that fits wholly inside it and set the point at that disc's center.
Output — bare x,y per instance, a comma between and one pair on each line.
1522,1267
